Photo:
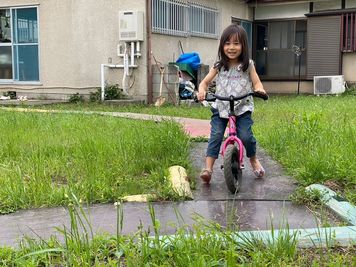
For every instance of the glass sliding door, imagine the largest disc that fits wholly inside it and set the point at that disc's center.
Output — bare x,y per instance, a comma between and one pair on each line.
280,56
274,55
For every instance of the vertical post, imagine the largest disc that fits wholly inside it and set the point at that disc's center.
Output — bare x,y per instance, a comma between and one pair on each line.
102,70
298,52
299,63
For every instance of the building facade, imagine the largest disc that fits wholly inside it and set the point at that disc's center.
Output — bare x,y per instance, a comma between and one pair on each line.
53,49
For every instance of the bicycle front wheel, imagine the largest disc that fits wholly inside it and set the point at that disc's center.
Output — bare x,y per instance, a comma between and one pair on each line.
232,171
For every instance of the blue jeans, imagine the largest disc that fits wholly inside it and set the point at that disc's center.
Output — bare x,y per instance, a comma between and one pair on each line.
244,132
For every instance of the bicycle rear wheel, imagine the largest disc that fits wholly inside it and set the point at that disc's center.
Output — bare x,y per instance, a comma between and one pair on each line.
232,171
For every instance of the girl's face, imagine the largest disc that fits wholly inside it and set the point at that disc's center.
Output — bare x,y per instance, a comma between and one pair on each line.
233,48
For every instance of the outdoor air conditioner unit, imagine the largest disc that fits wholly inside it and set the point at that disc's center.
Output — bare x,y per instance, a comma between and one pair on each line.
329,84
131,26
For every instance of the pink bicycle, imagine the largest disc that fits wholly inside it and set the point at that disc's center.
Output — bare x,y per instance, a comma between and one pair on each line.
232,149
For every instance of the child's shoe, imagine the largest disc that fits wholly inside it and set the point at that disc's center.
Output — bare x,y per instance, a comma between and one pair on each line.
259,173
205,175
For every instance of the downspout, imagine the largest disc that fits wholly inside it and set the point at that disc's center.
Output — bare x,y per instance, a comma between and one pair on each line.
148,51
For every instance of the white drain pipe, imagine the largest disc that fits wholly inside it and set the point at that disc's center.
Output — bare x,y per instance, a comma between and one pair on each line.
126,66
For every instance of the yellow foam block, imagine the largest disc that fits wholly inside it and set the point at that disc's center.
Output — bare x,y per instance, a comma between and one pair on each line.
179,181
139,198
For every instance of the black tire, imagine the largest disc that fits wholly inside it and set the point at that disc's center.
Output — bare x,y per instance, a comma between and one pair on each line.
232,171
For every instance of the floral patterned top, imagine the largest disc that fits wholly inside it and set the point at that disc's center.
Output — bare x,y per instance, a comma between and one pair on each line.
237,83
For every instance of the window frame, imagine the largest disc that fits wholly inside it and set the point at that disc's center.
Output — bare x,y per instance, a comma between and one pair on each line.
12,44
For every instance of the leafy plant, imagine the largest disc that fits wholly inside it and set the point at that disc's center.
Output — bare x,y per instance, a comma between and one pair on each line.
303,196
76,98
111,92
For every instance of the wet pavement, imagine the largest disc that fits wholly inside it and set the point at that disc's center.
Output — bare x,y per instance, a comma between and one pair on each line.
260,203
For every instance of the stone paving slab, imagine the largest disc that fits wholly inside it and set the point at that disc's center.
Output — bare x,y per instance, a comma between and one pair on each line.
274,186
245,215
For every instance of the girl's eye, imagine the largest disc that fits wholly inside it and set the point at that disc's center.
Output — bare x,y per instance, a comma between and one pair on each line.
227,43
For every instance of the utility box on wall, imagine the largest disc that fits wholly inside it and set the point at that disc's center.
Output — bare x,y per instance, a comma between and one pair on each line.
131,26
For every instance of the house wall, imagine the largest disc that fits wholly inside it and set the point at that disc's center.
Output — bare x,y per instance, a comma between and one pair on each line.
349,67
327,5
76,37
294,10
166,48
282,11
285,87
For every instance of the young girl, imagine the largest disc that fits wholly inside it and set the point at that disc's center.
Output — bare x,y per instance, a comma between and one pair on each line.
237,76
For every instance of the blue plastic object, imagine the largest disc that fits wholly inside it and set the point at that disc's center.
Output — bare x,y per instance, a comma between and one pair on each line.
192,59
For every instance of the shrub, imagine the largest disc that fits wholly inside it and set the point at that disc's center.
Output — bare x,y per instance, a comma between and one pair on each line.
76,98
111,92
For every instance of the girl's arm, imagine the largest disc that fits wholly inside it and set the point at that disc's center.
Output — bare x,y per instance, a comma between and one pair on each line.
203,86
256,82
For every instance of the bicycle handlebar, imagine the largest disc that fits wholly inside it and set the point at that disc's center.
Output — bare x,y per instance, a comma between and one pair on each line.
213,97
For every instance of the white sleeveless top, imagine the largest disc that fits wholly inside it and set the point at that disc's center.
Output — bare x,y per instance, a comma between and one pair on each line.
237,83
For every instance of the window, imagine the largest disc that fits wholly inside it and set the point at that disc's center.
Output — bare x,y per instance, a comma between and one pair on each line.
182,18
348,31
203,21
274,54
19,44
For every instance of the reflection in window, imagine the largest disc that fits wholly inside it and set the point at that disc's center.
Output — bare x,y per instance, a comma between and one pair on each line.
5,26
5,63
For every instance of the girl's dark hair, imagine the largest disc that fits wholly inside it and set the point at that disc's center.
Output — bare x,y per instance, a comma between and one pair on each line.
241,34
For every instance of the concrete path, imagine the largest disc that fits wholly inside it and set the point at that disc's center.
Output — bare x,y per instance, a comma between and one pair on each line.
258,205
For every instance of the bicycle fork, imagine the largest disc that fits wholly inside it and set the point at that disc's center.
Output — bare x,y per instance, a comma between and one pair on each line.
233,139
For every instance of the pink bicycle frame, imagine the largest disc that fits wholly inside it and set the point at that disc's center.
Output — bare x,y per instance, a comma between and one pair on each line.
232,139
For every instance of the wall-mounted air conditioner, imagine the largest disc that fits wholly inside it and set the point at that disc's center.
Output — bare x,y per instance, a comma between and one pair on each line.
329,84
131,26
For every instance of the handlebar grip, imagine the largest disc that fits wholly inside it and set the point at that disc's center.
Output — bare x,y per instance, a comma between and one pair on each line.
260,95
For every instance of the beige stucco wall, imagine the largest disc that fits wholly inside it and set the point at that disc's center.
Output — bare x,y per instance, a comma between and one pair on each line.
166,48
76,37
286,87
349,67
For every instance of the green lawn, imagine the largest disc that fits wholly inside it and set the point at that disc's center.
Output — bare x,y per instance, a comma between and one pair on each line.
45,156
314,138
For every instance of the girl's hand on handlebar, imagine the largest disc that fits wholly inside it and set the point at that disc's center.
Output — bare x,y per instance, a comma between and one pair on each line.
201,95
260,91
